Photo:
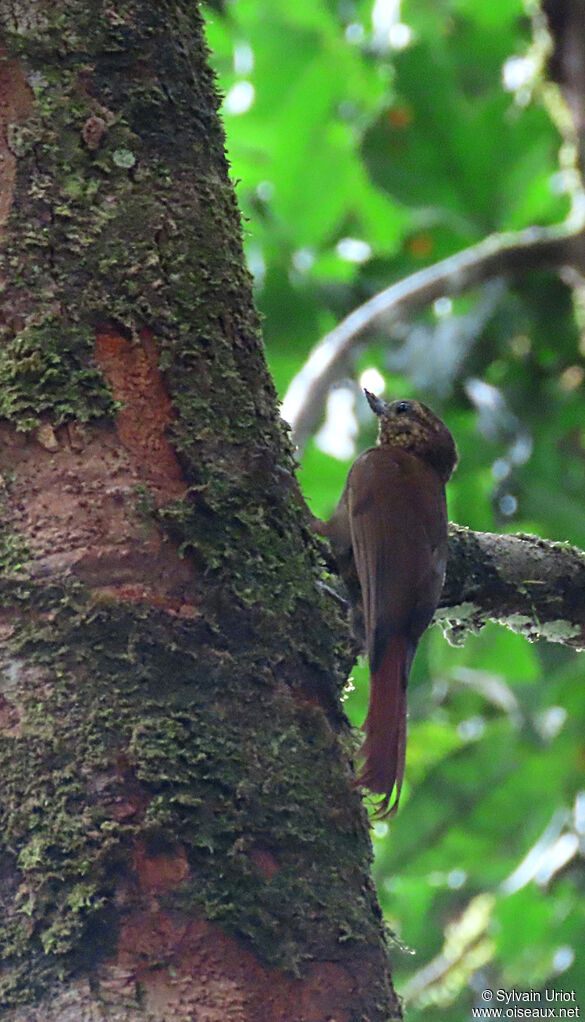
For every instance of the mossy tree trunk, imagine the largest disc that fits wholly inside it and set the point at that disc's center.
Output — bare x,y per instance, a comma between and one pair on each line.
178,836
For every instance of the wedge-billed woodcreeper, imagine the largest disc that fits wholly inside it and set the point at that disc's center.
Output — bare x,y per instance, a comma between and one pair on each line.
389,537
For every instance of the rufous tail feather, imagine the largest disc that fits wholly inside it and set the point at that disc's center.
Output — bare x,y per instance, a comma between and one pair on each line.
384,748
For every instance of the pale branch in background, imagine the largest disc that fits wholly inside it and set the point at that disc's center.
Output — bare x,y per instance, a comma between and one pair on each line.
499,255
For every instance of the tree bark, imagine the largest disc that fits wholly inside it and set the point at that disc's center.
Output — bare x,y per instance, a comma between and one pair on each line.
179,837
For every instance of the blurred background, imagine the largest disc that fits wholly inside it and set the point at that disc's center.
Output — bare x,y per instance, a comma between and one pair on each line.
371,139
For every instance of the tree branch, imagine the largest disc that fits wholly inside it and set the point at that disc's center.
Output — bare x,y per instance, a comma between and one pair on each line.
497,255
534,586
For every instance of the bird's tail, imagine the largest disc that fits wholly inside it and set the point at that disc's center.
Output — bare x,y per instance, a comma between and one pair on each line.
384,748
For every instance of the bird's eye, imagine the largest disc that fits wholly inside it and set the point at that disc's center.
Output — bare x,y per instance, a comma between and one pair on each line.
403,406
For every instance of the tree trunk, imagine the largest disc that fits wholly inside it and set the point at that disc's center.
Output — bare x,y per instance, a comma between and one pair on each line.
179,838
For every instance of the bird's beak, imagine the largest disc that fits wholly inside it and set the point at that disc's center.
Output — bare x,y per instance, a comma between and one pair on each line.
376,404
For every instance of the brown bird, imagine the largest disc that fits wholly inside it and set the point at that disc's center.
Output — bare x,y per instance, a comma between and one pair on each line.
389,537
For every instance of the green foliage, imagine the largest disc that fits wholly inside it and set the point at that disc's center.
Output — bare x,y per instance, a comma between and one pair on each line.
417,152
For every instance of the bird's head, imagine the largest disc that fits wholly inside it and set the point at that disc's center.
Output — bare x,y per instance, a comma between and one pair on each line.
413,427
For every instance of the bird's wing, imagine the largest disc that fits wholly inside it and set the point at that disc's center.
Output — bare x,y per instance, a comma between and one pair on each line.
398,524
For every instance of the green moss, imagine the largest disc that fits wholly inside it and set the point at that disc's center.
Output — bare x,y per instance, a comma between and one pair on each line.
14,551
112,687
44,373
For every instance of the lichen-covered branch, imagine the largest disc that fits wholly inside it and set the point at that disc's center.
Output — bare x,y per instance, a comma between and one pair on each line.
498,255
534,586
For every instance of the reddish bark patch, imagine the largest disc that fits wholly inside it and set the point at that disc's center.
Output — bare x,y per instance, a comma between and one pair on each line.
77,509
131,369
76,491
162,872
16,104
265,861
183,970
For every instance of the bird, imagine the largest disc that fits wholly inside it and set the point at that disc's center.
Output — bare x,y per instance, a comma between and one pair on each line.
389,538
